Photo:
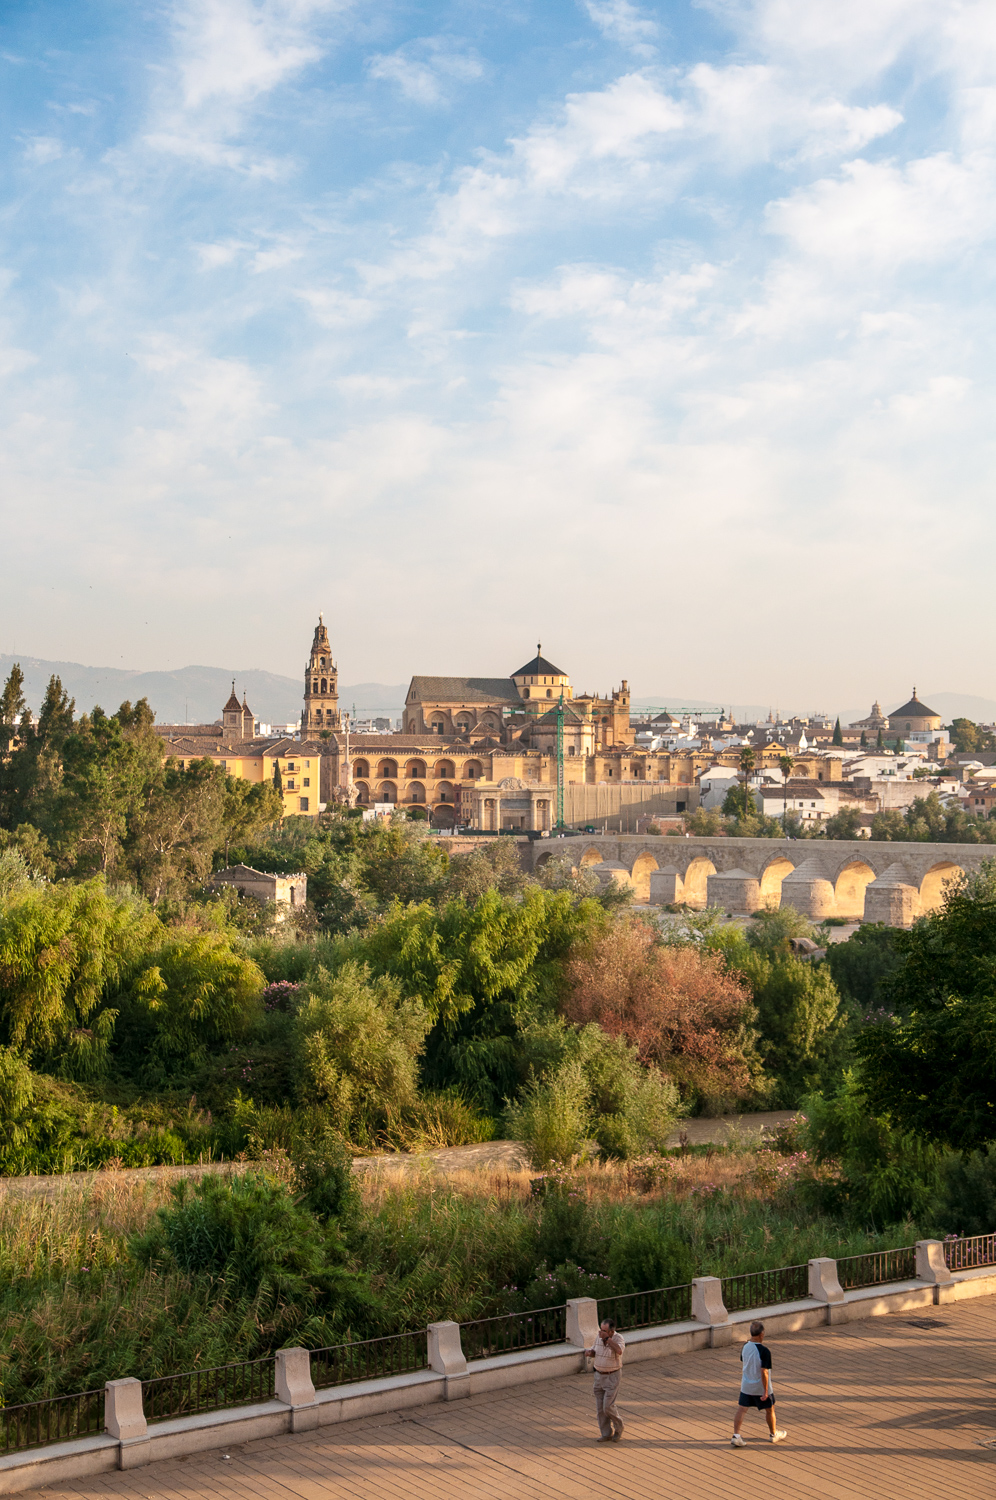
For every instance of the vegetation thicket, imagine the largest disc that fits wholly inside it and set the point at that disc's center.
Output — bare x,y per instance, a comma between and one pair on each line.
422,999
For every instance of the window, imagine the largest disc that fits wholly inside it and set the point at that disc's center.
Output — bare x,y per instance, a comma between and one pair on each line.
306,781
290,765
526,693
549,692
290,786
302,803
308,764
314,686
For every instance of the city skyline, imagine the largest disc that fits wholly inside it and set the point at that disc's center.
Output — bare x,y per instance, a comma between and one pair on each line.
662,331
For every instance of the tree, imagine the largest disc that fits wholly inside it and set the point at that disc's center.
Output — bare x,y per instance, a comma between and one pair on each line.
934,1073
785,765
61,947
13,708
845,824
838,738
748,760
484,973
864,740
965,736
679,1006
879,742
358,1040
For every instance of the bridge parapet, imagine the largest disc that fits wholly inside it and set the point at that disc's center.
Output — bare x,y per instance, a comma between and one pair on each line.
859,879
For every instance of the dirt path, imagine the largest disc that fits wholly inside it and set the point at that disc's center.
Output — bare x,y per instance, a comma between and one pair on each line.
486,1156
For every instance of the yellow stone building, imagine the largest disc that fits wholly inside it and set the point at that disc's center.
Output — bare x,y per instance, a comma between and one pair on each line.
475,752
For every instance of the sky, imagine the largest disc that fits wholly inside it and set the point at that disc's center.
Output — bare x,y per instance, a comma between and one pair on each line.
662,333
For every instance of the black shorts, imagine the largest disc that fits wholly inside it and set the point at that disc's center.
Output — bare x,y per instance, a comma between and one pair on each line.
763,1403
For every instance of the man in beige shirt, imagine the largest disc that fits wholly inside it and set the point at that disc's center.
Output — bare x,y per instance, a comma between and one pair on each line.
608,1355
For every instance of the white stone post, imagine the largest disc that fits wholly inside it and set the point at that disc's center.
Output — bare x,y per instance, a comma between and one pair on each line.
447,1357
294,1386
824,1286
930,1263
124,1419
708,1307
582,1324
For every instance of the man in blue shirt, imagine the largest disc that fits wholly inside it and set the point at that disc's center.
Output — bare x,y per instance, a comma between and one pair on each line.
756,1387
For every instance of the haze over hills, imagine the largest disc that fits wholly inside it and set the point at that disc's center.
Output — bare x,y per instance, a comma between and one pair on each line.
195,694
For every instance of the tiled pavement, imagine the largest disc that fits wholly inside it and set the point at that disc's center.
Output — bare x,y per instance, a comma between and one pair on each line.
874,1410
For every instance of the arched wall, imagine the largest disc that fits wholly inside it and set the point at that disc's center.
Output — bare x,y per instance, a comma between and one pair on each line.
591,856
849,891
771,882
643,867
696,886
933,883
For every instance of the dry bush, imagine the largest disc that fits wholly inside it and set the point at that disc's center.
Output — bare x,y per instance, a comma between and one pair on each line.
679,1007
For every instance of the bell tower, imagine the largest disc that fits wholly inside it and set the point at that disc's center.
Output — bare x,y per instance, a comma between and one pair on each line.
321,686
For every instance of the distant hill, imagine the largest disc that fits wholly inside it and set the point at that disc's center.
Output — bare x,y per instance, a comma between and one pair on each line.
193,695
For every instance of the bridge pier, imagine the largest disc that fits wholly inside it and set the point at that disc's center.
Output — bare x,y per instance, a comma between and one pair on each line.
891,899
809,892
734,890
666,887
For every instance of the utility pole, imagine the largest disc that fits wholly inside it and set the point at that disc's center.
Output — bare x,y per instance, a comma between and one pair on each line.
560,762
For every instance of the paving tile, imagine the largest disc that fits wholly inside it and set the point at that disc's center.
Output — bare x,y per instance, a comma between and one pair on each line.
874,1411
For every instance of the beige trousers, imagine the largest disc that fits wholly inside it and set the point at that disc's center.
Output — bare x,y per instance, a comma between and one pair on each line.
606,1391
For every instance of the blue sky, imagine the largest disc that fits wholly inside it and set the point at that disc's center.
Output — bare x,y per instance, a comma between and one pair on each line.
663,332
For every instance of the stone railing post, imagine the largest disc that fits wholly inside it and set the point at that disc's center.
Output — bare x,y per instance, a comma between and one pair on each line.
293,1385
824,1286
124,1419
447,1357
708,1307
930,1263
582,1324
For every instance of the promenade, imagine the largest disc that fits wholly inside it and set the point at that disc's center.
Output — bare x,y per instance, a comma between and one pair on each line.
874,1410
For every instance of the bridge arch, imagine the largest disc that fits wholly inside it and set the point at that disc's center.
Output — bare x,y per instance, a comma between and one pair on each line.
772,876
849,889
696,885
643,867
591,856
933,883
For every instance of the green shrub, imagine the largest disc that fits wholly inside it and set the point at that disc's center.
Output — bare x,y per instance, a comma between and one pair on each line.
872,1172
966,1203
553,1116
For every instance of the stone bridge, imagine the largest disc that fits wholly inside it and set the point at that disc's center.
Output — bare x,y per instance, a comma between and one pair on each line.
863,881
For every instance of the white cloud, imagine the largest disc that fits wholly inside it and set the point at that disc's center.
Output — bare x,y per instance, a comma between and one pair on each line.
424,69
227,54
625,23
41,149
883,215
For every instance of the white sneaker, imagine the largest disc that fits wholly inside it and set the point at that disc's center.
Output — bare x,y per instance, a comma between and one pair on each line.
736,1441
777,1435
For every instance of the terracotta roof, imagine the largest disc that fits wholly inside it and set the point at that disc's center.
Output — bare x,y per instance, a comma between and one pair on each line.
463,690
233,705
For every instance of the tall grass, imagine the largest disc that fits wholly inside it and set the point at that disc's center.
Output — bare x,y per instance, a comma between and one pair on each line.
76,1308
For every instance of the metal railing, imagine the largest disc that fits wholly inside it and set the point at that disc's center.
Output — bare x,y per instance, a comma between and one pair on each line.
669,1304
502,1335
212,1389
877,1266
369,1359
57,1419
765,1288
974,1250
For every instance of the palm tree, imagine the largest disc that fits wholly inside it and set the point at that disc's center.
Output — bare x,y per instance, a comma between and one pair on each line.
785,764
748,760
